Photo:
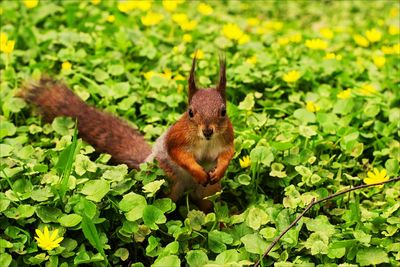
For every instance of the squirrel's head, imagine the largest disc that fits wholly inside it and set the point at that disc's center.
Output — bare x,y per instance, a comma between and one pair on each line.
207,107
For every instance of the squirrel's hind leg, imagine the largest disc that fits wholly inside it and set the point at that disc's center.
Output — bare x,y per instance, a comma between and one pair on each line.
201,192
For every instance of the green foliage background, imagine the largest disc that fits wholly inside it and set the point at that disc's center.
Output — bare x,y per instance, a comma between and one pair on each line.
111,214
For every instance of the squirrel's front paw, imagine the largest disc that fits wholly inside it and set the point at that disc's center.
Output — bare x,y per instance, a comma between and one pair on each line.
215,176
202,178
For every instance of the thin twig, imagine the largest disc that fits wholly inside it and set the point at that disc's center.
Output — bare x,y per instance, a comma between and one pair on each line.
313,203
285,231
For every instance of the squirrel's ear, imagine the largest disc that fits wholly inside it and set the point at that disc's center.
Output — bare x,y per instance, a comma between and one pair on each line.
191,81
222,76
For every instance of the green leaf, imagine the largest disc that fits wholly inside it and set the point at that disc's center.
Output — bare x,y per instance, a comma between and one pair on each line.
116,70
134,204
100,75
196,219
95,190
170,261
122,253
65,161
83,164
157,81
5,150
151,188
304,116
217,240
262,154
21,212
6,128
48,214
227,257
62,125
153,216
70,220
5,259
321,225
317,243
371,256
116,173
253,243
248,102
196,258
256,217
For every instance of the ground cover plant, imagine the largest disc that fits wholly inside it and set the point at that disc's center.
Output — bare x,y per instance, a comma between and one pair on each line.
313,90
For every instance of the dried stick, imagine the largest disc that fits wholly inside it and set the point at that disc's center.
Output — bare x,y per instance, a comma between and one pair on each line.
313,203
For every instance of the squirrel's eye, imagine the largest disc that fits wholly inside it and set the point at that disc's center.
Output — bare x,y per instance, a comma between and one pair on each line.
223,112
191,114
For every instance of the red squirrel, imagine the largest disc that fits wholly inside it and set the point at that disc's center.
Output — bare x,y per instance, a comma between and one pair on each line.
194,152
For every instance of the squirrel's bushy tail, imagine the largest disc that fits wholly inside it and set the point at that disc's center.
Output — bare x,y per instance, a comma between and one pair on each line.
105,132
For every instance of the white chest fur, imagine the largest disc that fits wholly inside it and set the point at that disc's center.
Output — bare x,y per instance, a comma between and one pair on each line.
207,150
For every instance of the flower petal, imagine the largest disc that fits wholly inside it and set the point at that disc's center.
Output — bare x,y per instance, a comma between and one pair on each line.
46,232
58,240
39,233
54,234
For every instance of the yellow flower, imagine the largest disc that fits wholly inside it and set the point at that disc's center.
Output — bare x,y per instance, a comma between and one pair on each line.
253,21
187,38
316,44
387,50
379,61
283,41
167,74
179,77
144,5
376,177
252,60
396,48
149,74
126,6
394,30
273,25
326,33
96,2
31,3
245,162
188,25
312,107
111,18
373,35
66,66
333,56
170,5
205,9
361,40
48,240
6,46
295,37
244,39
345,94
292,76
367,89
180,17
199,54
232,31
151,18
3,38
394,12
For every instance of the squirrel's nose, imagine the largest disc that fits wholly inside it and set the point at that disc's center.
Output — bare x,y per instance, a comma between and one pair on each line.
208,132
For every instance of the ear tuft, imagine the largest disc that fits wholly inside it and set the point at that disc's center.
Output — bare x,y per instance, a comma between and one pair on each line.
192,79
222,75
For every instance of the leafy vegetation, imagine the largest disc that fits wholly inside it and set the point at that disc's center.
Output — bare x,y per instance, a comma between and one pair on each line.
314,99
